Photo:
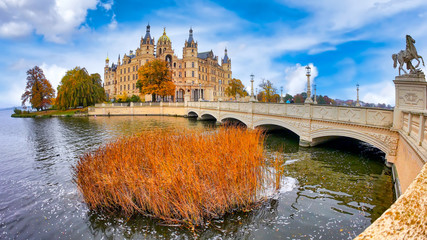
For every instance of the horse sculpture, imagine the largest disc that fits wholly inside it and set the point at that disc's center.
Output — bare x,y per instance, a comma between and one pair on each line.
406,56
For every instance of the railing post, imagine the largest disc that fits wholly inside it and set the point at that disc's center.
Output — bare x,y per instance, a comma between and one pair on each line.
421,130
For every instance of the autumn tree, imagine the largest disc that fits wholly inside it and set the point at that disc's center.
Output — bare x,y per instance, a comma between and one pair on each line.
39,91
78,88
236,87
155,78
268,91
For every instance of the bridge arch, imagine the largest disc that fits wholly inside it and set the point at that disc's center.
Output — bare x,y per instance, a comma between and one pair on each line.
208,116
192,113
223,118
329,134
275,122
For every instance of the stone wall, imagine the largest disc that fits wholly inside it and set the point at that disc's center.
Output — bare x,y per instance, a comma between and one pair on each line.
406,218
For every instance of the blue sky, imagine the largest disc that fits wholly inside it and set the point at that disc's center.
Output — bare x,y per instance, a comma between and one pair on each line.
345,41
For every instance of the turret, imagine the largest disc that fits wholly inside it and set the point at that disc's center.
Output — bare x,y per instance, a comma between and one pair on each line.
118,61
164,45
107,62
190,46
226,61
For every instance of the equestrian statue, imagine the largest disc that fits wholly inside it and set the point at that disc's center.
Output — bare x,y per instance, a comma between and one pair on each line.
406,56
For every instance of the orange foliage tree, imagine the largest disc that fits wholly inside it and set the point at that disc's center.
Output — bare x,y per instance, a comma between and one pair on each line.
155,78
39,91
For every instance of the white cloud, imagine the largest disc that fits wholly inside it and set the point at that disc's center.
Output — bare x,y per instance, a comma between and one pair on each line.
380,92
53,73
350,14
14,29
296,79
56,20
113,23
107,5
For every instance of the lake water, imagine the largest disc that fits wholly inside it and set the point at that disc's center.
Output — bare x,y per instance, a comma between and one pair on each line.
333,191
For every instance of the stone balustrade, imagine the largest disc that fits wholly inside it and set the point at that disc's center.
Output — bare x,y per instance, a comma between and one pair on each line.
355,115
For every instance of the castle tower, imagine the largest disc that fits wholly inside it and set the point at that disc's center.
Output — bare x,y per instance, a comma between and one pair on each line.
189,57
164,48
226,61
147,45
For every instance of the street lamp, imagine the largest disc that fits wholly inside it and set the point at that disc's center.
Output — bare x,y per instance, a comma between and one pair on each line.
252,89
315,96
357,101
308,74
281,94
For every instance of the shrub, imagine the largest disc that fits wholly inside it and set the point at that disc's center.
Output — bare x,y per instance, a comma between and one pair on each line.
17,111
176,176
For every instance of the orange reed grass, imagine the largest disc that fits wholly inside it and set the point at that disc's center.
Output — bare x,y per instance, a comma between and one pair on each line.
180,176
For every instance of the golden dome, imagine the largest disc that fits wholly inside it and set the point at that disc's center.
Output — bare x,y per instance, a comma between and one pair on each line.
163,38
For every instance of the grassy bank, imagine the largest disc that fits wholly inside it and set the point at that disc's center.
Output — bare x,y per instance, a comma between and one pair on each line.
49,113
179,177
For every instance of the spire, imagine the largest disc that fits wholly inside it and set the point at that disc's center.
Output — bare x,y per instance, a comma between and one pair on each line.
147,39
190,38
225,60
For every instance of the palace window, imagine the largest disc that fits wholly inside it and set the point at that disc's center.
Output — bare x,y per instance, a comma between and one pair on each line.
174,65
179,74
192,64
185,65
120,87
128,69
192,73
120,79
128,78
180,65
185,73
120,71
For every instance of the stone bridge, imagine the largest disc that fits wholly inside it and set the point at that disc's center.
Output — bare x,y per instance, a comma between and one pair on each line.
313,124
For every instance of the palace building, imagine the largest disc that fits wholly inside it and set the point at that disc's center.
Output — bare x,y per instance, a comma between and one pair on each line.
197,76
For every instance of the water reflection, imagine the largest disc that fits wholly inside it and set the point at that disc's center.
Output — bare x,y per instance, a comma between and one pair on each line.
327,192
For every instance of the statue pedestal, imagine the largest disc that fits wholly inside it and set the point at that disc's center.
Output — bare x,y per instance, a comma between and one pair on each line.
411,95
412,77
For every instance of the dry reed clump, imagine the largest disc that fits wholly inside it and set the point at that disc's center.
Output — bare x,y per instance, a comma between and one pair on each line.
179,177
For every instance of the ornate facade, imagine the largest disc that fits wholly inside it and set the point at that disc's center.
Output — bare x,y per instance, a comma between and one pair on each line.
198,75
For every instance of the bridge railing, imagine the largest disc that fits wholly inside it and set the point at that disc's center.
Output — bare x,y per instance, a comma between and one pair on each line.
355,115
414,126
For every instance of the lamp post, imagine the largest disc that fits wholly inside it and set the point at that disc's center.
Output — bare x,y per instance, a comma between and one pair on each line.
308,72
357,101
315,97
252,89
281,94
200,92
